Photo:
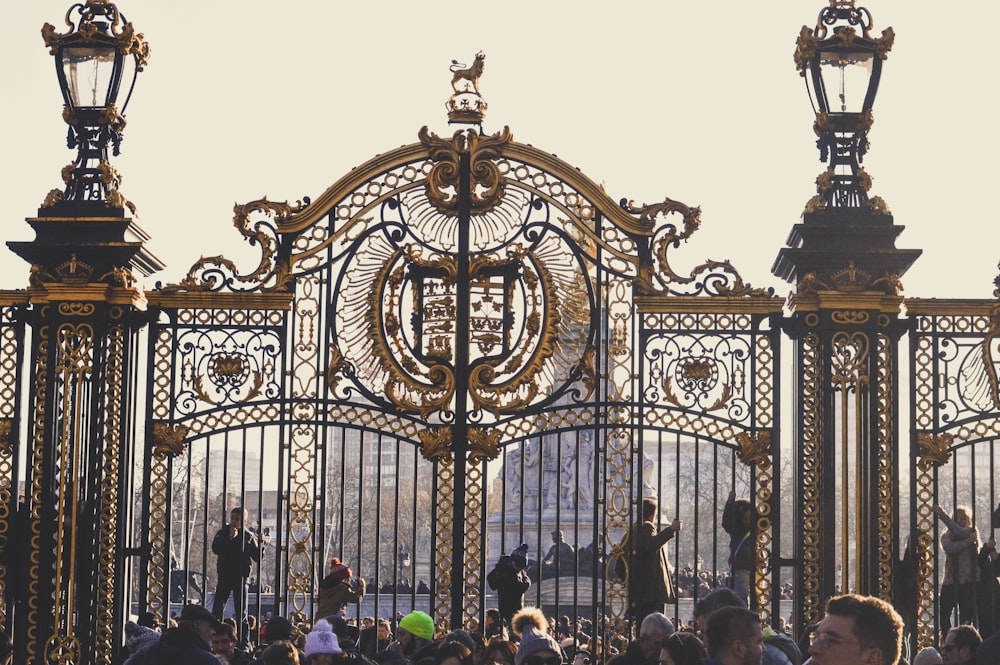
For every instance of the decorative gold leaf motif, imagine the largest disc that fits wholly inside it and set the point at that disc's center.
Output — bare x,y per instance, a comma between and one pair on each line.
435,444
754,449
168,440
336,368
484,444
933,450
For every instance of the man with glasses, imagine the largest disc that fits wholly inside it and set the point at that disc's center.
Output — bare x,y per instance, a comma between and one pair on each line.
734,637
857,630
960,645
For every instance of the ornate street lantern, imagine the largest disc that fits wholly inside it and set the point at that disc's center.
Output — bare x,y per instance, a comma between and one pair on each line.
842,68
99,56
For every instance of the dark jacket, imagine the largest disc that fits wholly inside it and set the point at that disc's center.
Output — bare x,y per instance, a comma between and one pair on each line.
176,645
742,554
235,555
632,656
424,655
510,583
649,571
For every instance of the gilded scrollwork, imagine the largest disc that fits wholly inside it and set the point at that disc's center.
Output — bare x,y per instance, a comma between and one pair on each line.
487,185
217,273
713,278
850,317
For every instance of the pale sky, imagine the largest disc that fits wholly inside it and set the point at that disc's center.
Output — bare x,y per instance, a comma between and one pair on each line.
698,101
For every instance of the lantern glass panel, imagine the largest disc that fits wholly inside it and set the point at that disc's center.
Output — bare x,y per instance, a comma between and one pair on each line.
89,75
846,76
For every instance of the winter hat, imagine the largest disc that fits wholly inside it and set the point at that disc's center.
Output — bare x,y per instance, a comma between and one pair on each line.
322,640
519,557
339,570
530,623
927,656
461,636
136,636
420,624
277,628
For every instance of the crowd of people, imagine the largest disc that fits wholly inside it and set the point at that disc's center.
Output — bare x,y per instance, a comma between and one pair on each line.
856,630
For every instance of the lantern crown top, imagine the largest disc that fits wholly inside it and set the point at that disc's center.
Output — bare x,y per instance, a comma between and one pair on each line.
837,30
98,23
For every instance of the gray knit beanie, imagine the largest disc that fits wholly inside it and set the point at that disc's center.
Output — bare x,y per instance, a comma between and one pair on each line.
531,624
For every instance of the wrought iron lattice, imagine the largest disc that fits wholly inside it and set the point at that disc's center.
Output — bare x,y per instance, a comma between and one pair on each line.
956,423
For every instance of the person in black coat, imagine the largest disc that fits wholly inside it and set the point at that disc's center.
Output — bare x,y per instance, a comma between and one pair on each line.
188,643
236,549
509,579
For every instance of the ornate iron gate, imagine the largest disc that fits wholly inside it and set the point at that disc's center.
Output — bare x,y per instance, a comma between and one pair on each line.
955,421
483,303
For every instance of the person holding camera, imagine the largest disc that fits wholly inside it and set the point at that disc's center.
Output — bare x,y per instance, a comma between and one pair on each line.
338,589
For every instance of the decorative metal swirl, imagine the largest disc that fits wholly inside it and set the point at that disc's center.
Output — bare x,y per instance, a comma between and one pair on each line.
712,278
487,187
217,273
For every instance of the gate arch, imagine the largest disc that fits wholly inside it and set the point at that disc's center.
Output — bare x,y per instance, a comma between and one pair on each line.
480,302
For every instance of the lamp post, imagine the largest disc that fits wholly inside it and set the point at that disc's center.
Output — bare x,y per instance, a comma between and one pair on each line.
99,56
845,323
85,307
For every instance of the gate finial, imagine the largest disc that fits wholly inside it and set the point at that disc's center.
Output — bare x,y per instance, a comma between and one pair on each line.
466,106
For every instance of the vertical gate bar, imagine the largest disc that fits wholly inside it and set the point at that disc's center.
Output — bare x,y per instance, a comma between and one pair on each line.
774,337
461,424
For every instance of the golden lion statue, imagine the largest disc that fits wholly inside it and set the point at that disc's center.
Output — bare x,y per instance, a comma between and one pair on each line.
470,74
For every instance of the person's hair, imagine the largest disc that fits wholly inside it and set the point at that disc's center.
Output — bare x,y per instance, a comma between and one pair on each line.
654,622
282,652
729,624
966,636
383,622
715,600
648,508
241,510
876,624
743,505
226,629
453,650
685,648
498,649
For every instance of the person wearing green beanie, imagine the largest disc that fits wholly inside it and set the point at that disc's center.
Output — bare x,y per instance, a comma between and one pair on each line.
416,638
